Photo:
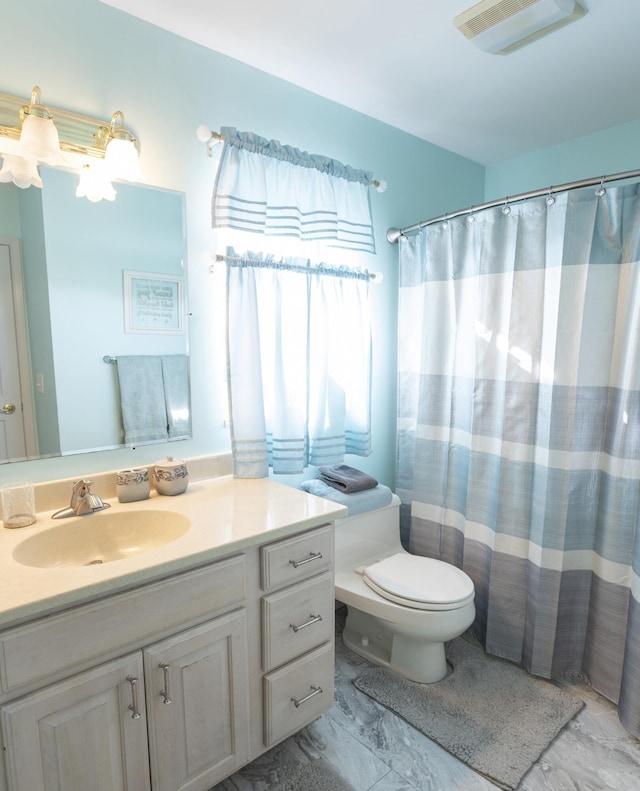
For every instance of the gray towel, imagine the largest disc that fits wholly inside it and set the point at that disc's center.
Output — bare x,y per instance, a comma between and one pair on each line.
175,376
347,479
144,415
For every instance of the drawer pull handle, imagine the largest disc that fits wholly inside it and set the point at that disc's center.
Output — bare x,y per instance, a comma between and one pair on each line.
133,706
313,619
165,693
312,556
315,691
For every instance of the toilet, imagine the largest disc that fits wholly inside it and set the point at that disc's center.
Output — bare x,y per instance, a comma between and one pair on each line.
401,608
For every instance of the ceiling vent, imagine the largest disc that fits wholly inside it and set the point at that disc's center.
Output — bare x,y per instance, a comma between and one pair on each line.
502,26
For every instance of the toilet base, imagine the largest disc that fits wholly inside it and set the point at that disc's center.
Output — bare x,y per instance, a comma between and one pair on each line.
416,659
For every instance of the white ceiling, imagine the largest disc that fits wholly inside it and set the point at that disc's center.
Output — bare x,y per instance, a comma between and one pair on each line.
405,63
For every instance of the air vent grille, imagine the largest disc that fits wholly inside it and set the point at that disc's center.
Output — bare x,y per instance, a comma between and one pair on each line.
487,14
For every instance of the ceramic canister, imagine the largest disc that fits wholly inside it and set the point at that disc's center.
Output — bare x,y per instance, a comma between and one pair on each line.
170,476
132,485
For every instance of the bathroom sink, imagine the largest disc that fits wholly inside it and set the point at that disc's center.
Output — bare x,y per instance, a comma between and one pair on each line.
100,538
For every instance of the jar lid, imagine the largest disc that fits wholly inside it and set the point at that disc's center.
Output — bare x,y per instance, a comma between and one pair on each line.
170,462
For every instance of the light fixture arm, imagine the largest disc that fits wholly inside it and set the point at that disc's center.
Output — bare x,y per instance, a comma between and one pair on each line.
35,106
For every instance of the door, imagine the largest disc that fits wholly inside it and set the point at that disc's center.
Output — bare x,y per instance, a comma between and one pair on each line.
81,733
14,434
197,704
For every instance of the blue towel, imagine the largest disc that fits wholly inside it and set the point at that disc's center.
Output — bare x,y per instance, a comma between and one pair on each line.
175,378
144,414
356,502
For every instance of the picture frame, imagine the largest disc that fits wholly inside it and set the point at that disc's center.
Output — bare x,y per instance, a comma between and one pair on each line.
153,303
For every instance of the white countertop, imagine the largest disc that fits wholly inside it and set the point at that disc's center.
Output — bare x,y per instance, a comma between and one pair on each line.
226,514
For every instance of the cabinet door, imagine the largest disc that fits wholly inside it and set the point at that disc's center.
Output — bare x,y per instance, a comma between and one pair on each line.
80,733
197,704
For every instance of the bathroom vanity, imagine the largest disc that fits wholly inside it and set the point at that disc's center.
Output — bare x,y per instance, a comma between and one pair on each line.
170,668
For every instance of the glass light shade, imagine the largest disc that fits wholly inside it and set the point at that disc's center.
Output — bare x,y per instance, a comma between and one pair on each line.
95,184
39,140
122,162
20,171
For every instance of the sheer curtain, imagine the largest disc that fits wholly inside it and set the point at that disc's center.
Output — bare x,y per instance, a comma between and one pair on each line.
299,364
519,427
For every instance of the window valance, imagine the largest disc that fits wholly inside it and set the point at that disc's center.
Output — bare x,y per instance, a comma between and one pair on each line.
277,190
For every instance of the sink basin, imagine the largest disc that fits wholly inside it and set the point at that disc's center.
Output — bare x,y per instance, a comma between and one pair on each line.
100,538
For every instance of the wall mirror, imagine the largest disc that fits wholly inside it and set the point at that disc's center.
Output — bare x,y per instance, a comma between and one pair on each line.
81,264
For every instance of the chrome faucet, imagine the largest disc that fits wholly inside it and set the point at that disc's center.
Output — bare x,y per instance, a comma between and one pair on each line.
82,501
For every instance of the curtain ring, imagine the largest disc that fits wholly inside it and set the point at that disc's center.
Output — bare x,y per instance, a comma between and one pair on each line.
506,209
550,199
445,222
601,189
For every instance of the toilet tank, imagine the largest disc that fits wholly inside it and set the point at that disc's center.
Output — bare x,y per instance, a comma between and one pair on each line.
364,538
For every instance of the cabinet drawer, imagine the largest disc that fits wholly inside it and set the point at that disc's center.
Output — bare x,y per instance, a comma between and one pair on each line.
294,559
61,643
297,619
297,693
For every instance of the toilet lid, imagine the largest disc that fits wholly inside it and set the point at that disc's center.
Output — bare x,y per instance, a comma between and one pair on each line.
423,583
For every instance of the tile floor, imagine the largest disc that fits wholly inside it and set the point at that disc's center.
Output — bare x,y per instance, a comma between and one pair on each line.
374,750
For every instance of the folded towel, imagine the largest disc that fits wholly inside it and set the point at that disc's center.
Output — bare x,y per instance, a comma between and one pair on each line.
347,479
144,415
357,502
175,378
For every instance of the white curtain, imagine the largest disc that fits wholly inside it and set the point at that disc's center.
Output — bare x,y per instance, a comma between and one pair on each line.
279,191
299,364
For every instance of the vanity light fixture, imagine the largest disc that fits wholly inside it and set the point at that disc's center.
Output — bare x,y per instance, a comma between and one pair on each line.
95,184
99,151
121,154
22,172
39,138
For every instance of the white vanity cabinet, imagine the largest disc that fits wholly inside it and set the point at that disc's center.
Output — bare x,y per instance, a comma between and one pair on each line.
298,631
79,733
170,715
175,684
197,704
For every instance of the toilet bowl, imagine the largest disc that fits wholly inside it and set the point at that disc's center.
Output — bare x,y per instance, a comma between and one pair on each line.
401,608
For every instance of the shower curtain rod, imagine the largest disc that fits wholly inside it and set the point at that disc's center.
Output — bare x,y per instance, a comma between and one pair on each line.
393,234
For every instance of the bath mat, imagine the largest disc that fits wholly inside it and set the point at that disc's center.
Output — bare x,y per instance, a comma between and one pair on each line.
489,713
315,776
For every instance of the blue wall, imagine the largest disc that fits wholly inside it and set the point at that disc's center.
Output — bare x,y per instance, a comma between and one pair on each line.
93,59
614,150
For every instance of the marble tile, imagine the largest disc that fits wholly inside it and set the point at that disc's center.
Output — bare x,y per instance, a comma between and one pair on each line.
374,750
327,738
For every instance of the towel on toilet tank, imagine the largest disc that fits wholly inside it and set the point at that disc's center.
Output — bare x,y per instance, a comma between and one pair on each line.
347,479
357,502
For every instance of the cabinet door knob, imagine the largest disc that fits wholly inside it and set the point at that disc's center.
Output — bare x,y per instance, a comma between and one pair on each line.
315,691
312,556
133,706
312,619
165,694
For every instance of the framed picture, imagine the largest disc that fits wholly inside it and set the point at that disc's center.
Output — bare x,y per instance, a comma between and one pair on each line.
153,303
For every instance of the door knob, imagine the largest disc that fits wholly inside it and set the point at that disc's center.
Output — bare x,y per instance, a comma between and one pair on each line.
8,409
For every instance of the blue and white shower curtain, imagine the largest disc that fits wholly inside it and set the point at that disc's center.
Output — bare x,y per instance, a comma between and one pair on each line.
519,427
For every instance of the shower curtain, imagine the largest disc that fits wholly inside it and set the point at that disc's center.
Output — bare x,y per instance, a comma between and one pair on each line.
519,427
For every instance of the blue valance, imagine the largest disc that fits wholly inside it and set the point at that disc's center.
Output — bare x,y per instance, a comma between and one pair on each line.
275,190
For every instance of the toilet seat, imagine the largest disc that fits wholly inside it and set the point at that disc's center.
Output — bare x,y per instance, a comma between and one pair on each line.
419,582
